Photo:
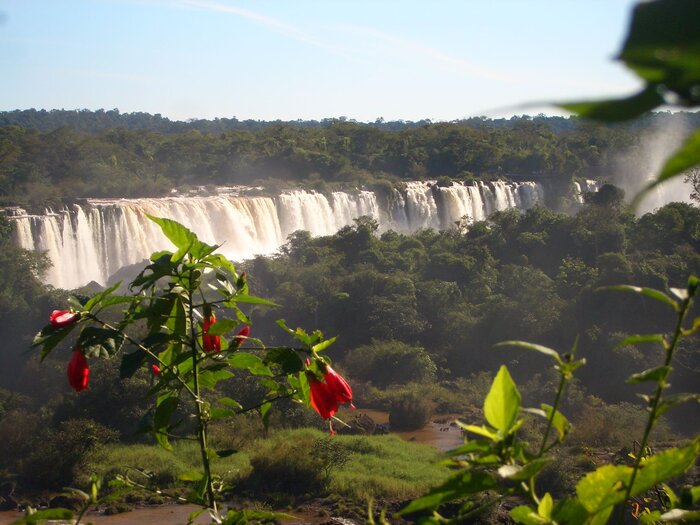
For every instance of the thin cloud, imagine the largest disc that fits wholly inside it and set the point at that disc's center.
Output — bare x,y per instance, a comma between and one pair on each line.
412,49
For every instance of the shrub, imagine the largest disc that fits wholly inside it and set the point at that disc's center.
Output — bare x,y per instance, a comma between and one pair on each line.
410,412
390,362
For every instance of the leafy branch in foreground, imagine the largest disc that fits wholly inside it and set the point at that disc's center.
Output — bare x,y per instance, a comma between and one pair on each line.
189,350
496,464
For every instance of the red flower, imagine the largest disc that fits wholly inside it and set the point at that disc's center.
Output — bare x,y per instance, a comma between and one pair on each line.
210,342
155,369
78,371
241,336
59,318
326,395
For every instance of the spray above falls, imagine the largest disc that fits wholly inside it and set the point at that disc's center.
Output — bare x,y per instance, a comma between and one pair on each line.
93,240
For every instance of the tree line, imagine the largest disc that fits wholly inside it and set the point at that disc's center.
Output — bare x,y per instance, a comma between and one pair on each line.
49,156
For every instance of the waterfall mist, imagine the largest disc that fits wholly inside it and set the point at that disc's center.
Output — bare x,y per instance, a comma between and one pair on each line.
635,170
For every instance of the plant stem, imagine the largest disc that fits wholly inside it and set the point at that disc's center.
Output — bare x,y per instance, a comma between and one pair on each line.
661,386
201,419
550,422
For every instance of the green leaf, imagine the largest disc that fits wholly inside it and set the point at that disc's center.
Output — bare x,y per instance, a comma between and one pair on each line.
320,347
165,407
265,413
250,362
220,413
530,346
569,511
648,292
44,515
208,378
231,403
603,487
456,487
653,374
222,327
559,421
49,337
176,232
251,299
100,342
544,509
682,160
616,110
664,466
502,403
131,363
286,358
638,339
525,515
480,431
95,301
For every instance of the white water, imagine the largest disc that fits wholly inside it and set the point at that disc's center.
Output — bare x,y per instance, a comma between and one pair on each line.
91,241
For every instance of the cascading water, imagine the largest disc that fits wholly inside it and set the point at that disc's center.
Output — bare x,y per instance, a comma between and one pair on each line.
91,241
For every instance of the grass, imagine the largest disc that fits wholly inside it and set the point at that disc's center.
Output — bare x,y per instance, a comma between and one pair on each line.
382,467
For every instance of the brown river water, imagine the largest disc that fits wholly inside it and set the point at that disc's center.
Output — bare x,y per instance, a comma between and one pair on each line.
439,433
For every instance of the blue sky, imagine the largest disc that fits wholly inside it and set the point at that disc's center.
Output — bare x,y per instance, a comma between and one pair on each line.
275,59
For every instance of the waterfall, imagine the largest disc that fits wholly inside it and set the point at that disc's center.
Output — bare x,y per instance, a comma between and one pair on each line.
93,240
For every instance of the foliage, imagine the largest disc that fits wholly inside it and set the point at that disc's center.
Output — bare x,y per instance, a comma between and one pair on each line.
496,464
187,349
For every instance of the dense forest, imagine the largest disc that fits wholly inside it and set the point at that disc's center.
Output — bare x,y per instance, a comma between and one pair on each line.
49,156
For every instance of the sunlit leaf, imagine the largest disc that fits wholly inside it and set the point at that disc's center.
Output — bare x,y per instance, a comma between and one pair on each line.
638,339
545,506
530,346
250,362
176,232
502,403
559,421
525,515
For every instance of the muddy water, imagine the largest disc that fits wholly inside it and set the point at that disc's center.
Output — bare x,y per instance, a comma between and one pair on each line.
438,433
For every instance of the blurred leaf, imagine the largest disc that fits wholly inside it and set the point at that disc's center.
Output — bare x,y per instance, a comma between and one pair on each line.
131,363
525,515
250,362
94,301
226,453
544,509
676,399
231,403
637,339
49,337
502,403
251,299
456,487
653,374
286,358
165,407
320,347
222,327
680,515
559,421
220,413
616,110
648,292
